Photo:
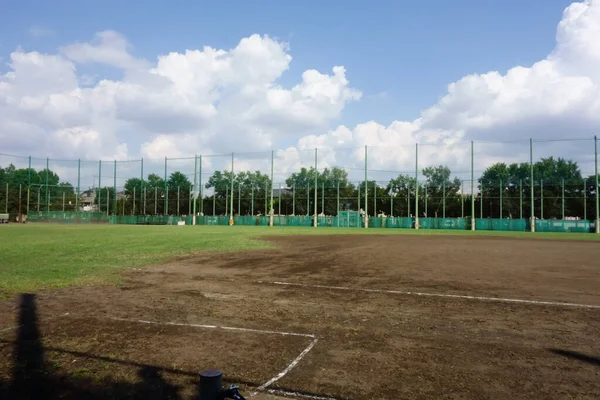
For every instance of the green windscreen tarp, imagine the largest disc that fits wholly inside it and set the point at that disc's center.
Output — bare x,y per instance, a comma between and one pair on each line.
496,224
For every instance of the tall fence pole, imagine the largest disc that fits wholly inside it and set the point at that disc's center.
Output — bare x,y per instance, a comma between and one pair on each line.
443,199
166,209
585,199
133,207
201,191
500,187
337,212
315,218
358,200
28,184
279,208
115,184
323,197
63,202
426,195
107,202
307,198
271,204
239,198
366,190
78,186
416,186
597,189
375,198
142,188
155,200
28,196
231,200
294,199
562,205
6,200
39,198
178,197
20,215
408,198
532,218
99,185
520,198
472,188
47,188
252,200
195,193
542,199
462,199
392,203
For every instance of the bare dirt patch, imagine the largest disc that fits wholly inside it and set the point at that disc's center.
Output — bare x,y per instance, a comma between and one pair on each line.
371,345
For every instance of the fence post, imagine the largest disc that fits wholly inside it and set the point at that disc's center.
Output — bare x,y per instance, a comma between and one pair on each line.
239,198
323,197
366,190
337,213
416,186
532,219
194,196
63,203
358,187
542,199
155,200
308,197
39,198
231,204
47,188
472,189
178,197
99,185
252,200
6,200
462,199
443,199
28,196
294,199
133,208
142,188
200,185
28,184
597,189
520,198
215,202
501,198
20,215
166,209
375,199
115,185
392,203
108,202
585,199
271,207
78,187
316,189
562,206
279,208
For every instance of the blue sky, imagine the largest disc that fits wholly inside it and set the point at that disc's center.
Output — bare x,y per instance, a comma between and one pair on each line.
400,54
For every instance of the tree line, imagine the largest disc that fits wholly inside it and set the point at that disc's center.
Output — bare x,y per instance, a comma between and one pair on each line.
440,194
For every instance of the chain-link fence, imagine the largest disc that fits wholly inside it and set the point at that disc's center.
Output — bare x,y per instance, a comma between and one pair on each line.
515,185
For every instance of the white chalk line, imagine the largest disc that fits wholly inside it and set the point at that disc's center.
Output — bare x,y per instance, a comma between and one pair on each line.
11,328
265,385
443,295
296,394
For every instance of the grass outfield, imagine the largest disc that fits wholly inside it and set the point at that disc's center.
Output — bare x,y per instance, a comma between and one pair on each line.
36,256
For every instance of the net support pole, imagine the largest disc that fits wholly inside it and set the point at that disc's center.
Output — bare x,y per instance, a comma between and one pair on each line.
20,215
462,199
39,198
252,200
63,202
358,198
520,198
178,201
315,218
392,204
337,213
47,188
542,199
366,190
294,199
532,218
115,184
375,198
6,199
240,198
195,194
78,186
155,200
472,187
597,188
28,196
323,198
308,198
231,200
443,199
99,185
416,186
166,205
133,207
107,202
266,199
426,208
271,204
585,199
500,188
142,189
200,189
214,213
28,184
279,208
562,204
190,199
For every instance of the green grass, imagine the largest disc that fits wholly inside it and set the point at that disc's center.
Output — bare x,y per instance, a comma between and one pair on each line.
37,256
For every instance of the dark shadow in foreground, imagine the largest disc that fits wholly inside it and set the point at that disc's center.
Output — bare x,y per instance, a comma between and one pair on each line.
32,378
577,356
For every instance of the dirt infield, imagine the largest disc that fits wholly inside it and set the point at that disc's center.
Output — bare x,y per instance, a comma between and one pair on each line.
388,317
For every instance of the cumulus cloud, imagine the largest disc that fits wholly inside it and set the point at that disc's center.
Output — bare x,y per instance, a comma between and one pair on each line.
209,100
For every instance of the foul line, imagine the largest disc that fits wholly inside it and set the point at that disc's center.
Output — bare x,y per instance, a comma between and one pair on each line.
453,296
20,326
265,385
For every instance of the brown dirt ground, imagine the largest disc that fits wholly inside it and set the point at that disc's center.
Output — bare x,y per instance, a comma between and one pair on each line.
371,345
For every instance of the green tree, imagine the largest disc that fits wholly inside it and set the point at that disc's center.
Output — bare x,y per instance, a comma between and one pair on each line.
440,186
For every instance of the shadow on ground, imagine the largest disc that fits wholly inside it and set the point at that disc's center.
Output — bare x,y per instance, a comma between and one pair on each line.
577,356
32,378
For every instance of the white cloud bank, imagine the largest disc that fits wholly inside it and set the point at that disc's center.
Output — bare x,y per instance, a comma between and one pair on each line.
219,101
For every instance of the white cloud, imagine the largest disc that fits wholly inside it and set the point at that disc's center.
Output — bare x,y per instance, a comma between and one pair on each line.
217,101
108,47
